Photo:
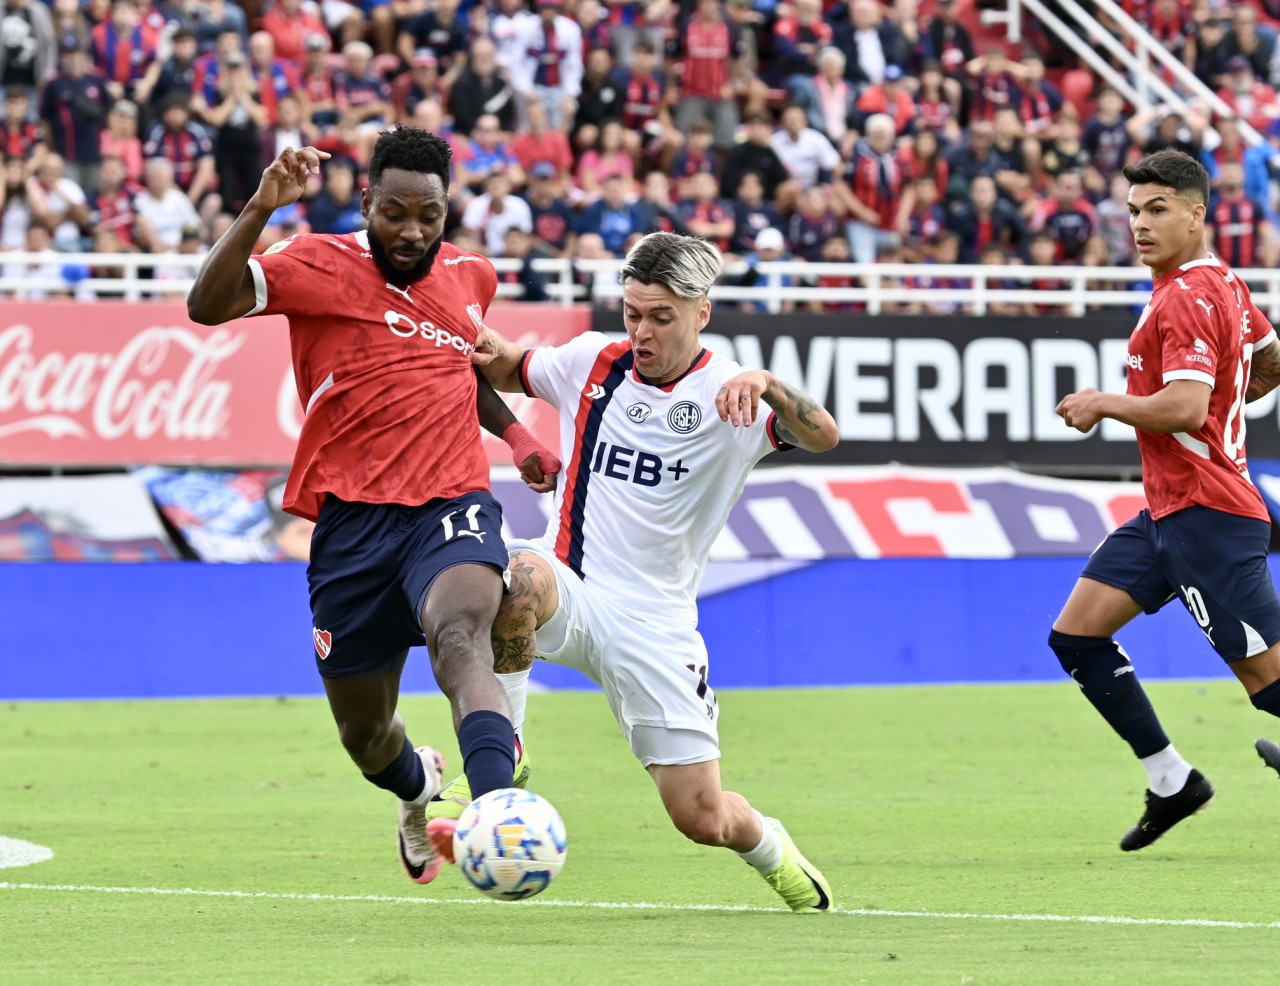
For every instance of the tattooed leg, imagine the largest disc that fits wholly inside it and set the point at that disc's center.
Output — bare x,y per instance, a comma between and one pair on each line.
531,599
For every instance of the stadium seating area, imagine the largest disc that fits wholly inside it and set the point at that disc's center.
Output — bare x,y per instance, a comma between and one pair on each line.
850,130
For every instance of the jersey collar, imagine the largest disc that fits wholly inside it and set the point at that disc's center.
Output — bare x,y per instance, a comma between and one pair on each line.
703,358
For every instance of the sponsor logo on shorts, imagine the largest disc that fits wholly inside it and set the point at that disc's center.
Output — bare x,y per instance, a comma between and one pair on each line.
639,411
684,417
324,642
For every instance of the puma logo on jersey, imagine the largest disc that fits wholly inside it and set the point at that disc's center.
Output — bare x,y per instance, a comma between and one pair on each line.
1208,308
1182,284
404,292
454,261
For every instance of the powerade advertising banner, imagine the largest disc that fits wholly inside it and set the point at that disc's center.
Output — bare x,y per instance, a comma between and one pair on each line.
112,383
952,391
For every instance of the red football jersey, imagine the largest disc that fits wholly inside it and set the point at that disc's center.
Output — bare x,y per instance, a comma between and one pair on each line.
384,373
1201,325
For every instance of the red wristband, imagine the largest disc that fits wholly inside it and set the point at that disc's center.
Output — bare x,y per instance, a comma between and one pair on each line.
523,445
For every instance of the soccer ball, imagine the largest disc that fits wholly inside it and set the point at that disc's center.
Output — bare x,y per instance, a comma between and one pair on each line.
509,843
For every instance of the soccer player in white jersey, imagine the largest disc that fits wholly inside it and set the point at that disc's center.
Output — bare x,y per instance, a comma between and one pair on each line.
661,435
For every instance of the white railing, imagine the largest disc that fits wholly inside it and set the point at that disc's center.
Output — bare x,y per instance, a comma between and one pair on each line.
973,289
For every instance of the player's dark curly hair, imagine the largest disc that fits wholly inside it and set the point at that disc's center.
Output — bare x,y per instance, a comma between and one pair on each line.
1173,169
410,149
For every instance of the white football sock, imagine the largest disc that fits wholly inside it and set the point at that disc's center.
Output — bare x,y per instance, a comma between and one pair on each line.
517,688
766,856
1167,771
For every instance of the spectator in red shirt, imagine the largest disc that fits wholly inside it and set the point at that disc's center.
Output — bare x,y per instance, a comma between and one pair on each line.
707,82
874,191
652,137
1249,97
290,24
19,136
890,97
539,144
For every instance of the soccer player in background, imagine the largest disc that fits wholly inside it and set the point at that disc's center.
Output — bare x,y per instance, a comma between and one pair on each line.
407,546
1205,535
661,435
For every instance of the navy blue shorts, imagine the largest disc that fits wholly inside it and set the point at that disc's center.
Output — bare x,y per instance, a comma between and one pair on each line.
372,565
1215,562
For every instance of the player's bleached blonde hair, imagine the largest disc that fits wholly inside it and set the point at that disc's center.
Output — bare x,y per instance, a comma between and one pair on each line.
686,265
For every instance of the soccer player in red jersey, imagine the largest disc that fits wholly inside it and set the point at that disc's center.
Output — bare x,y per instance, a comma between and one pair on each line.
407,547
1205,535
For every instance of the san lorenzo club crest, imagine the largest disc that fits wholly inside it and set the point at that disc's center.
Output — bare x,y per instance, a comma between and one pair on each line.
684,417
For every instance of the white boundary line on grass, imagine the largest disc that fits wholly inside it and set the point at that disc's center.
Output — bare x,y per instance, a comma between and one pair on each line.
640,906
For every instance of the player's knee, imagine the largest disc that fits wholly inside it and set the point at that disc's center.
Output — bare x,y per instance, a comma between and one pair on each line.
362,738
1086,655
700,825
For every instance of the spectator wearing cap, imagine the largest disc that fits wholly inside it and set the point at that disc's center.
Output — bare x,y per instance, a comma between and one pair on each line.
807,155
1238,228
553,219
29,48
550,67
124,51
890,97
874,192
768,246
480,90
290,23
711,65
869,42
21,137
751,213
705,214
120,138
949,40
163,211
439,30
177,72
756,153
612,217
187,146
73,107
336,208
422,81
491,214
540,145
797,39
1248,97
316,84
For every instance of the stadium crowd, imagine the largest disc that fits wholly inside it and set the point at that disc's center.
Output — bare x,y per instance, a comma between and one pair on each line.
779,129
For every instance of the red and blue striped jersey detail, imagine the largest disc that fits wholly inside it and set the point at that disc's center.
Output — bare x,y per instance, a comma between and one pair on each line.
610,369
1235,226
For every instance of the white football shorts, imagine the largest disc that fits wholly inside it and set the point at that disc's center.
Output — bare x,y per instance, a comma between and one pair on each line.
654,674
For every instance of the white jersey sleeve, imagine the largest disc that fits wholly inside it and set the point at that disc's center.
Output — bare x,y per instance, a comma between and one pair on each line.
555,373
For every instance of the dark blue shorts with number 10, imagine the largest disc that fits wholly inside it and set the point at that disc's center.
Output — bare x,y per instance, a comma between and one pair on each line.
372,565
1213,561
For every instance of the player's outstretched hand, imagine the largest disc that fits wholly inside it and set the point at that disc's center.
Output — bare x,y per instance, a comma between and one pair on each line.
1080,410
285,178
488,344
738,401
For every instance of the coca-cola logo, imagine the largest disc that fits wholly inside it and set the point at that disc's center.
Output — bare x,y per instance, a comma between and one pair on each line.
160,383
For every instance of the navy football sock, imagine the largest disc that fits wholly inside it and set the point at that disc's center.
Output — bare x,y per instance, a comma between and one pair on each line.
406,778
488,742
1268,700
1104,674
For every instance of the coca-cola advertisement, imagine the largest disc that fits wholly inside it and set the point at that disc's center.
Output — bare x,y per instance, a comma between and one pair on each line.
113,383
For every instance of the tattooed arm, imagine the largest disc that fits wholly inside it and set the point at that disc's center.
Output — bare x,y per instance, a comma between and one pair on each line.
1265,375
801,420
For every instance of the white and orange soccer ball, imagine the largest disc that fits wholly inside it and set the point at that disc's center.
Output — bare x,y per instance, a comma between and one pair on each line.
510,844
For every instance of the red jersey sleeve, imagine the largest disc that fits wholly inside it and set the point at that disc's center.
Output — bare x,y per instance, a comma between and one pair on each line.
1192,322
290,278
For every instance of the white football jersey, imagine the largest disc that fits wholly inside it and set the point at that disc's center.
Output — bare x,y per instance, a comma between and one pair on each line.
650,472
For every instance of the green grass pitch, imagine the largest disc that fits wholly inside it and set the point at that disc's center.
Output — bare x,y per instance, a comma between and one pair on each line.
938,814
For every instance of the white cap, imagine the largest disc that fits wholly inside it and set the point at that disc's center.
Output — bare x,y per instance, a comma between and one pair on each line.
770,239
